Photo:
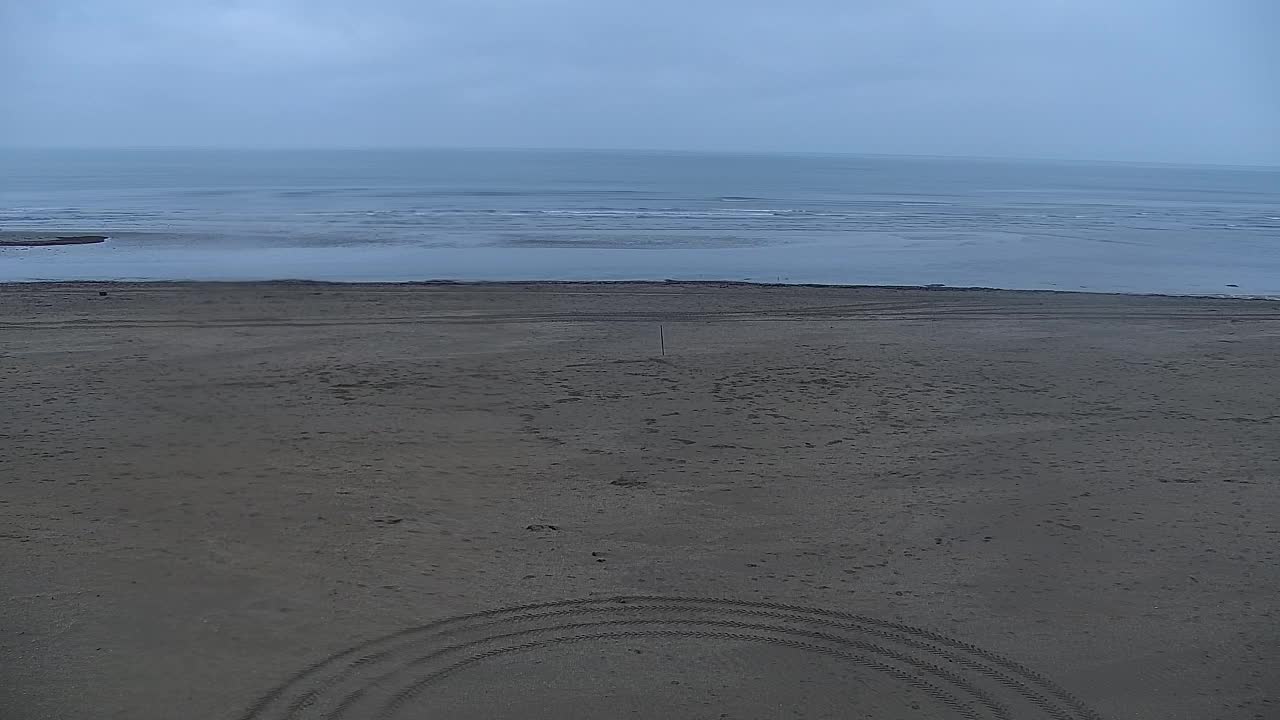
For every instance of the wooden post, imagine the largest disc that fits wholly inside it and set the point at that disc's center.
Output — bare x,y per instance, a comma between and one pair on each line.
662,340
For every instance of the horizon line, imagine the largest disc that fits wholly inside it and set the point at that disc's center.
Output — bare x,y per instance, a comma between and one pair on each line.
639,150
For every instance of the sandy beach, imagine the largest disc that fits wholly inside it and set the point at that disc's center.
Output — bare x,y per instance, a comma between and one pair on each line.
301,500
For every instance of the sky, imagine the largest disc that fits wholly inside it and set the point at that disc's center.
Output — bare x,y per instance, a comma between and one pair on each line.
1149,80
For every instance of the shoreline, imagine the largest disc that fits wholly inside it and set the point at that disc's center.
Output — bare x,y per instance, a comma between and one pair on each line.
873,260
290,282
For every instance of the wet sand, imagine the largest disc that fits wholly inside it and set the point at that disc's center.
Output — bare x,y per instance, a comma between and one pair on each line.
239,501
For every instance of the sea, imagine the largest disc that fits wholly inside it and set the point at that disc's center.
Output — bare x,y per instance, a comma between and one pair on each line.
490,215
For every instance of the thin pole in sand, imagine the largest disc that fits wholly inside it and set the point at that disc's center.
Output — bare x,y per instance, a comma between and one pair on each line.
662,340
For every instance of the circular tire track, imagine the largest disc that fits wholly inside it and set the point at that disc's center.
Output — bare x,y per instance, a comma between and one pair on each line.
395,673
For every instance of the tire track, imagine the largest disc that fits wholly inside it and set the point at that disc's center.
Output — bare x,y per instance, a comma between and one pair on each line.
399,697
1050,708
409,659
938,694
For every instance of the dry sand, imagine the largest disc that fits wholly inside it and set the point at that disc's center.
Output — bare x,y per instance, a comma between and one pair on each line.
869,503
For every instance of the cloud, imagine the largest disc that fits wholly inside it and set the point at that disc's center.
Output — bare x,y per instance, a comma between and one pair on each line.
1144,79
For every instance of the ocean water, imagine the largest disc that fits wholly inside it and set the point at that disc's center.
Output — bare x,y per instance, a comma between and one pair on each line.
561,215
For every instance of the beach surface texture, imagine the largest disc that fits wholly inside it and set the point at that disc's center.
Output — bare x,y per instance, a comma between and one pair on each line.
303,500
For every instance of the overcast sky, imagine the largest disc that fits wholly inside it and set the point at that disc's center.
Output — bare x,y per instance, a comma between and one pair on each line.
1162,80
